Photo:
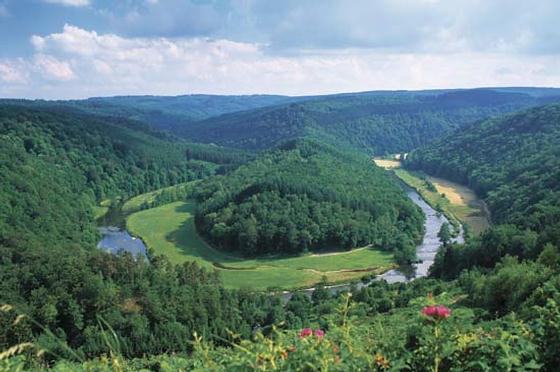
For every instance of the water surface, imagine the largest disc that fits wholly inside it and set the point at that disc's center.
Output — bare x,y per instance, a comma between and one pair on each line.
116,240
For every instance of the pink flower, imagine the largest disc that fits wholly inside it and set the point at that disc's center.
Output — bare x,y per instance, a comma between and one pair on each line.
319,333
306,332
438,312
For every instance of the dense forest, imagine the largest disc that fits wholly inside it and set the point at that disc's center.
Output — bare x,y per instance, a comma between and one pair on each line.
169,113
54,167
304,196
378,123
513,162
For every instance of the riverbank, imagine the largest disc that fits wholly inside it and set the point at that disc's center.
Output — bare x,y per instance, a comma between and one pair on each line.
457,202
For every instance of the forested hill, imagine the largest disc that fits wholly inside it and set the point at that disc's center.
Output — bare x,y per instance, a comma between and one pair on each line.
303,196
53,168
56,166
378,122
513,162
169,113
175,112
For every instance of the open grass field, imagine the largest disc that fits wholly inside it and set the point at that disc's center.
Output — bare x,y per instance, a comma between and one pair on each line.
170,230
135,204
387,163
102,209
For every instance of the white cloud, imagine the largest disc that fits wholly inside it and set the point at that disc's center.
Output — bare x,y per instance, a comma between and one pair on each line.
12,72
79,63
76,3
53,69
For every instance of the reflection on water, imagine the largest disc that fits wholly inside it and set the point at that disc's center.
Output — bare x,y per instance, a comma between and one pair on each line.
116,240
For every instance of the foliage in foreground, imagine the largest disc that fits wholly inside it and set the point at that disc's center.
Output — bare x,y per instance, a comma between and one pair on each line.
411,339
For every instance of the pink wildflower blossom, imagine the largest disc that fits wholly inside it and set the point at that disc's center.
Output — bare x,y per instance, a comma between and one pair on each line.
319,333
437,311
306,332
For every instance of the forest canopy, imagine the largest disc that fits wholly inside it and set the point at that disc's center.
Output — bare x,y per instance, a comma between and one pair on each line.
305,196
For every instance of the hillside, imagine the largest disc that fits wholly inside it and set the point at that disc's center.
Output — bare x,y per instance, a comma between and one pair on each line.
174,112
377,122
54,167
513,162
68,306
305,196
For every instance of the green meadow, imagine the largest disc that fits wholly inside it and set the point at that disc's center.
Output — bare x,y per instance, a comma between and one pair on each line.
169,230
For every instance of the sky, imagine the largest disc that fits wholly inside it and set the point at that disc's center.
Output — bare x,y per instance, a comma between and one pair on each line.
61,49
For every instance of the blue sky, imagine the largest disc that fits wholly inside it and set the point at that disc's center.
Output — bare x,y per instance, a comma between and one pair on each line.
80,48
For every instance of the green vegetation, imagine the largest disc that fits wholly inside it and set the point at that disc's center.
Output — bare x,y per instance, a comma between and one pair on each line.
169,230
158,197
514,163
68,306
376,122
55,167
458,203
174,113
470,213
307,196
383,327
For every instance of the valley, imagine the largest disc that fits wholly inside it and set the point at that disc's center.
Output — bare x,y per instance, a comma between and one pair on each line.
249,245
299,186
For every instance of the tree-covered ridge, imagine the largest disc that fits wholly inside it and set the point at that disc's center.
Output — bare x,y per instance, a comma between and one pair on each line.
513,162
380,123
56,166
116,157
53,167
168,113
304,196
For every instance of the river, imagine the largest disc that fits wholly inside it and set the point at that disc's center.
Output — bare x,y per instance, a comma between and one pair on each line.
426,251
116,239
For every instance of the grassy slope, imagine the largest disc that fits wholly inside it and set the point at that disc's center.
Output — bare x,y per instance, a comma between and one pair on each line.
170,230
135,204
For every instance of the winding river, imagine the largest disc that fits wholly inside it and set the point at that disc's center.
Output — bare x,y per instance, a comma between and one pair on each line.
116,239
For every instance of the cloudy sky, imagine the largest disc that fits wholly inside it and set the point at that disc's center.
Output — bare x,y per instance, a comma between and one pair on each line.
81,48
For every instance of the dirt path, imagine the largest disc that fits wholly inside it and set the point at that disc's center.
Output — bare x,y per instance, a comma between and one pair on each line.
338,253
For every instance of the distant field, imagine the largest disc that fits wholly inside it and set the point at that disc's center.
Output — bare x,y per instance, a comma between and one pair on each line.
170,230
457,202
135,204
387,163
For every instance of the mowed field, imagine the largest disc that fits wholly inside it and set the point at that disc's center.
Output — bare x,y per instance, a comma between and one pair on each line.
387,163
170,230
